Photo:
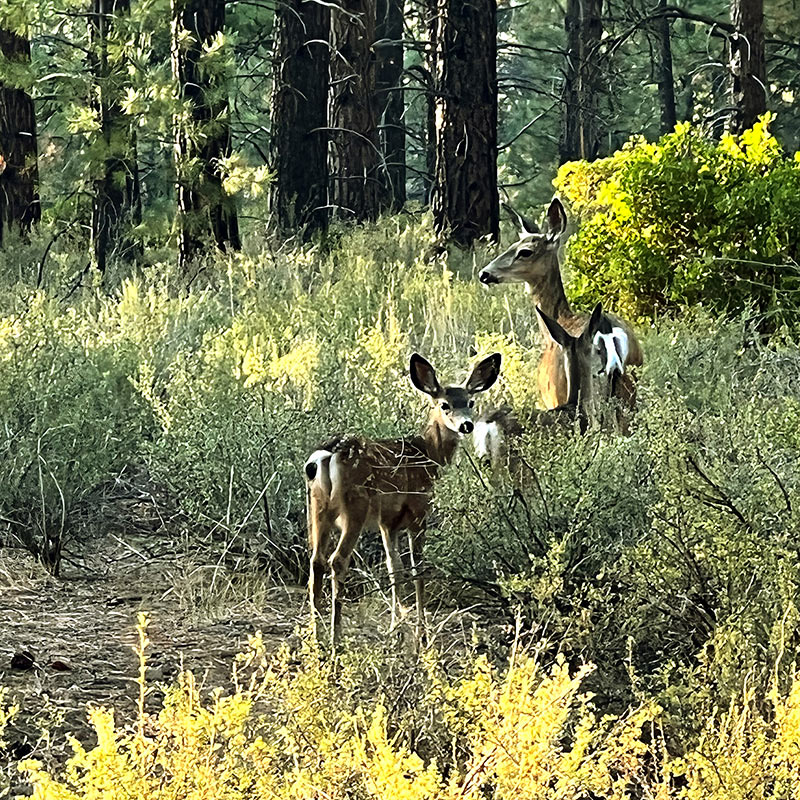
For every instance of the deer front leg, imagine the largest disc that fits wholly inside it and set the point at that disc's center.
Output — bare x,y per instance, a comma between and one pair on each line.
416,542
394,566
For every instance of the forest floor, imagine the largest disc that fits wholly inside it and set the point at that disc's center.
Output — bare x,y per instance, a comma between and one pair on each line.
80,630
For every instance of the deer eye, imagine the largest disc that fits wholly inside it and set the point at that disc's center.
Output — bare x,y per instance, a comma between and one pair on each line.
445,406
471,403
524,253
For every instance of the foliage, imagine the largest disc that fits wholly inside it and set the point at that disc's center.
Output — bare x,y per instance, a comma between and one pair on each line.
667,558
295,725
688,220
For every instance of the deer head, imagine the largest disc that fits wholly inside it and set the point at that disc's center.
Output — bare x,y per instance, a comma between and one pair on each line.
534,255
585,358
452,405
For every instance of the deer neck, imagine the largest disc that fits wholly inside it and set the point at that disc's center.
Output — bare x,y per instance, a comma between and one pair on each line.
547,292
441,442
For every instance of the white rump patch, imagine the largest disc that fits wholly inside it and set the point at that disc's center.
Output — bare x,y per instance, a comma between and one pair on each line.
488,439
334,475
615,345
322,459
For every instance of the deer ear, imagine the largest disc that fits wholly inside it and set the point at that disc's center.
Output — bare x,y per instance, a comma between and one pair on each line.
595,322
525,224
558,334
423,376
484,375
556,219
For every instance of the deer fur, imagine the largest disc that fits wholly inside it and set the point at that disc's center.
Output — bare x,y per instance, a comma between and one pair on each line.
533,260
590,374
354,483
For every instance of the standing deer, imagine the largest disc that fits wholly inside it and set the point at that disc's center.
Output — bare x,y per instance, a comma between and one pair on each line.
533,260
354,482
590,373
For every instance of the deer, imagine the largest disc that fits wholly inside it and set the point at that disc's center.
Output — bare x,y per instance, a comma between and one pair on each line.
353,483
533,260
590,373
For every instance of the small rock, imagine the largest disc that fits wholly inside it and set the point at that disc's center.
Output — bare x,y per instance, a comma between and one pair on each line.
22,660
60,666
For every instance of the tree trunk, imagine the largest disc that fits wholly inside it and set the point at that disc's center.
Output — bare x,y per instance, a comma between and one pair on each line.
748,68
465,201
355,153
666,84
580,135
299,141
116,201
204,210
389,101
19,170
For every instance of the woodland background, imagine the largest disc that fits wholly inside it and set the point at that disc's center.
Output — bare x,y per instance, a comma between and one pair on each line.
223,228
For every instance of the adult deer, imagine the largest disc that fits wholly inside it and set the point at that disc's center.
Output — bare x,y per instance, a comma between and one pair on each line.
589,375
533,260
354,482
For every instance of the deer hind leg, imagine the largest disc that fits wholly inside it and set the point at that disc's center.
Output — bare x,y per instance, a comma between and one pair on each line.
351,526
319,538
394,567
416,542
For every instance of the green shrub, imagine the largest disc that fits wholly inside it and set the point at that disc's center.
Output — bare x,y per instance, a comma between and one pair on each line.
668,558
688,221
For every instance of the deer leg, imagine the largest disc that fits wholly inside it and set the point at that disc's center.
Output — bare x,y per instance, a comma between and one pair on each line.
319,530
339,564
318,568
394,566
416,540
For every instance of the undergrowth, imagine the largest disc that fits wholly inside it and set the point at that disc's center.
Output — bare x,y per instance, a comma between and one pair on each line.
296,725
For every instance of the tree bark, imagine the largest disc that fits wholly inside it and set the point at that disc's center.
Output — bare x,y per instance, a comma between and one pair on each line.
355,152
666,84
116,202
465,200
299,140
581,134
389,101
748,67
204,210
19,169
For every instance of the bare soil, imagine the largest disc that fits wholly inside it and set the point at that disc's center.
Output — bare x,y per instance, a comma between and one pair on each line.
80,631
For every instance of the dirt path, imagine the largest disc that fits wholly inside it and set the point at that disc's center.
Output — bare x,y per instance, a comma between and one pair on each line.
80,630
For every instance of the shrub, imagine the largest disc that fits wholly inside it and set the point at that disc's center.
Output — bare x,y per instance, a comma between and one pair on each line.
688,221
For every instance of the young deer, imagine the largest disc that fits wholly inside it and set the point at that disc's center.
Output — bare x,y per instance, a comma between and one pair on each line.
589,374
533,260
353,483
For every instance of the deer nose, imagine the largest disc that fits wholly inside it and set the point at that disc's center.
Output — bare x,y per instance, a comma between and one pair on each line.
466,427
484,276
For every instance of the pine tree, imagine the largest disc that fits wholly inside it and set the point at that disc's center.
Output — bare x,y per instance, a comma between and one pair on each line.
299,115
19,172
465,201
202,132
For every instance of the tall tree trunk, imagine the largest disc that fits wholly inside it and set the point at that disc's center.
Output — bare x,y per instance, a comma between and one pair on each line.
116,202
389,100
748,67
666,84
581,134
465,201
204,210
300,115
19,169
355,153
